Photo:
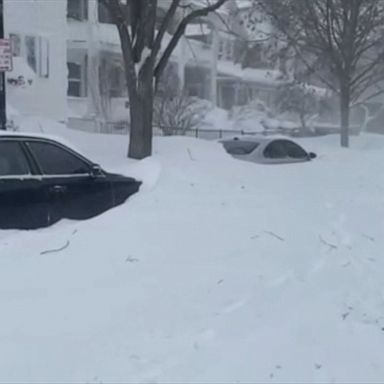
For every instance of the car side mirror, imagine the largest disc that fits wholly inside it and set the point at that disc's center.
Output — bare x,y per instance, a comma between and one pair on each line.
312,155
96,171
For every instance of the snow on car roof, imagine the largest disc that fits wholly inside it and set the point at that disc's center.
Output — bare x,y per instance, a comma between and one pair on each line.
255,138
38,135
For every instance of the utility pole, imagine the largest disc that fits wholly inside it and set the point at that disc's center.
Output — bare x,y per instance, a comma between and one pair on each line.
3,104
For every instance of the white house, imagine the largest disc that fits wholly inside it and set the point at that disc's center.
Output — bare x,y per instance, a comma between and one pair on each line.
38,44
71,51
204,59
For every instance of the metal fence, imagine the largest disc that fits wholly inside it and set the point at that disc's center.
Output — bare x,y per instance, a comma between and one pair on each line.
122,128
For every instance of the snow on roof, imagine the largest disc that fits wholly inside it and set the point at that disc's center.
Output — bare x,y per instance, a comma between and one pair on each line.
197,30
55,136
318,91
241,4
264,76
205,3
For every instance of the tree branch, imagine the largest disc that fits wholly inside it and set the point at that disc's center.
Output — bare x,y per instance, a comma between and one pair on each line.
163,28
201,12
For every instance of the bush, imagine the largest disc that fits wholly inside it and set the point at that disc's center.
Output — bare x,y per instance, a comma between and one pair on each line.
178,114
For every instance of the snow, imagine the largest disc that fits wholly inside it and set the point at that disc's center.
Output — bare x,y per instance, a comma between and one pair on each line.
43,20
217,271
197,30
12,112
21,69
217,118
262,76
146,54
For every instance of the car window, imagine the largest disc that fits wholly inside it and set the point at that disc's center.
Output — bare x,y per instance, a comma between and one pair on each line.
276,150
54,160
294,150
240,147
12,159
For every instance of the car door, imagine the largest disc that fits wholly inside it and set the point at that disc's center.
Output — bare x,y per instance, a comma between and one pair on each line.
23,201
75,192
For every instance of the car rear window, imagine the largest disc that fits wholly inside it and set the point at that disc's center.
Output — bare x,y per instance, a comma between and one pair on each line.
240,147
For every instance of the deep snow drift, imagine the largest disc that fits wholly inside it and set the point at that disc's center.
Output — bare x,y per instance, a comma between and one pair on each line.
218,271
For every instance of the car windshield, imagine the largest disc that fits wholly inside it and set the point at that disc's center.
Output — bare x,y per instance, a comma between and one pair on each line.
240,147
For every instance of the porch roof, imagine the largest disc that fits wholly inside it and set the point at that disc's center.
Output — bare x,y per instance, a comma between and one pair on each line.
228,70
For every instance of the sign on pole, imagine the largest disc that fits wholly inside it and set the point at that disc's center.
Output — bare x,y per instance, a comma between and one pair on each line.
5,55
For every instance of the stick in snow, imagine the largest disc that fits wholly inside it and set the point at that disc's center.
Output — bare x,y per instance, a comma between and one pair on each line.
273,234
66,245
331,246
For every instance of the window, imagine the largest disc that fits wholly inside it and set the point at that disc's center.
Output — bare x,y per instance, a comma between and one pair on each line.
74,80
220,53
294,151
12,159
276,150
229,50
77,9
15,44
240,147
30,48
104,14
195,90
116,82
54,160
35,51
43,57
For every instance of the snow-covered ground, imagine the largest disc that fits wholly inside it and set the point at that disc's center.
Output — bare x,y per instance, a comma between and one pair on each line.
217,271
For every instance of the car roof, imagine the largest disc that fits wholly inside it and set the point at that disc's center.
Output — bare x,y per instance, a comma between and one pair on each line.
26,134
41,136
255,138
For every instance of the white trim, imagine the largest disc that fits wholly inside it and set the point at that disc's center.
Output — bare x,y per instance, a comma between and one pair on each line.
44,177
17,177
83,175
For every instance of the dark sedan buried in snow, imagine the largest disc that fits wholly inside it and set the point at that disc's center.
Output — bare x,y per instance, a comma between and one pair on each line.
43,181
267,150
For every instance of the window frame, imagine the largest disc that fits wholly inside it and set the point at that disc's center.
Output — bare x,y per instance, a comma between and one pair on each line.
81,80
72,79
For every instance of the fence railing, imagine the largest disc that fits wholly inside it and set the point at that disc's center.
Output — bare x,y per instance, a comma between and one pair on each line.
122,128
207,134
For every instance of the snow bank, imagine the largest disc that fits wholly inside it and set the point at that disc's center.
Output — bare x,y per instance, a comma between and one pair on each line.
219,271
21,75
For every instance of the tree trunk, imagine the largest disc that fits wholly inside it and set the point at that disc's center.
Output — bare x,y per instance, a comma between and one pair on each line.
141,114
344,114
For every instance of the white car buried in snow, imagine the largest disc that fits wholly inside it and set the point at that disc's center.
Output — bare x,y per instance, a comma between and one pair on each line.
266,150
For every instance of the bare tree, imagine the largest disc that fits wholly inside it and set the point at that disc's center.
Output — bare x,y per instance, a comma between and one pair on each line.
339,41
302,100
146,55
